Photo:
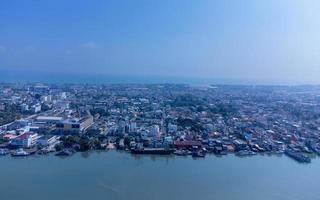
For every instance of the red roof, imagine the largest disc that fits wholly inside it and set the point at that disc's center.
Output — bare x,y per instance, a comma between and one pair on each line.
24,135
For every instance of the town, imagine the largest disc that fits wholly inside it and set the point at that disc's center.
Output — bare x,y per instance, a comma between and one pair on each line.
177,119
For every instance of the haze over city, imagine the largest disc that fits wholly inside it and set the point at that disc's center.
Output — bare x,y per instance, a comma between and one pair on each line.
235,42
159,99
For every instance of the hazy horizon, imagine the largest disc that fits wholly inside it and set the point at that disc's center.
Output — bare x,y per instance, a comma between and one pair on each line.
209,41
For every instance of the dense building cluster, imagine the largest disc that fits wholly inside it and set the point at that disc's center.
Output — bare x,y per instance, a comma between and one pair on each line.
160,119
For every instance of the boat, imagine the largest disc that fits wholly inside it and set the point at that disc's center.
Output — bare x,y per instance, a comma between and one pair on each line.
158,151
198,154
245,153
31,150
19,153
181,153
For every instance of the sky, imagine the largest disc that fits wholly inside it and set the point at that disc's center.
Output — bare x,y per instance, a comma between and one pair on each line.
229,41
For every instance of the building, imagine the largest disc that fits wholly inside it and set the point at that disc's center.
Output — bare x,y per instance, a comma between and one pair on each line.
86,122
154,131
49,120
133,127
172,128
2,107
63,95
45,141
40,89
74,126
187,144
24,107
8,136
168,140
25,140
46,98
36,108
69,126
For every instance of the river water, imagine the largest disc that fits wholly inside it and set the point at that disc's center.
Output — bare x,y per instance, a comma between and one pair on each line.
118,175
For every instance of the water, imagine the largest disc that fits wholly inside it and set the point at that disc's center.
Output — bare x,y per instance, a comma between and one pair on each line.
114,175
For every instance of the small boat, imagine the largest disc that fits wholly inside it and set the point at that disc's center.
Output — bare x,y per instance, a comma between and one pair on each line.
198,154
245,153
181,153
19,153
31,150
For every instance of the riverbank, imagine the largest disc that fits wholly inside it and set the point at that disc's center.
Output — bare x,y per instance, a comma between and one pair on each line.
298,157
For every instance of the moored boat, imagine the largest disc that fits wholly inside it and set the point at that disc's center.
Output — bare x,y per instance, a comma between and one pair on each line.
158,151
198,154
19,153
181,153
245,153
31,150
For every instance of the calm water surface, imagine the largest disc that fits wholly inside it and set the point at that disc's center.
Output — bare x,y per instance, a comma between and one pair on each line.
114,175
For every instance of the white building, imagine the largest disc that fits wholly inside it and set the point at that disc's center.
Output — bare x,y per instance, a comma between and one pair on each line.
63,95
46,98
24,107
25,140
36,108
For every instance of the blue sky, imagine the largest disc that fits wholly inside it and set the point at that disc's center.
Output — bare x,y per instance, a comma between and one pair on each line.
238,41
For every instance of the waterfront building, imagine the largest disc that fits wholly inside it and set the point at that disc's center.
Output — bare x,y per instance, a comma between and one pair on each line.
25,140
74,126
45,141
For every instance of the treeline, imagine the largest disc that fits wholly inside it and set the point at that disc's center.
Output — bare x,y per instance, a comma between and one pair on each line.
10,113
